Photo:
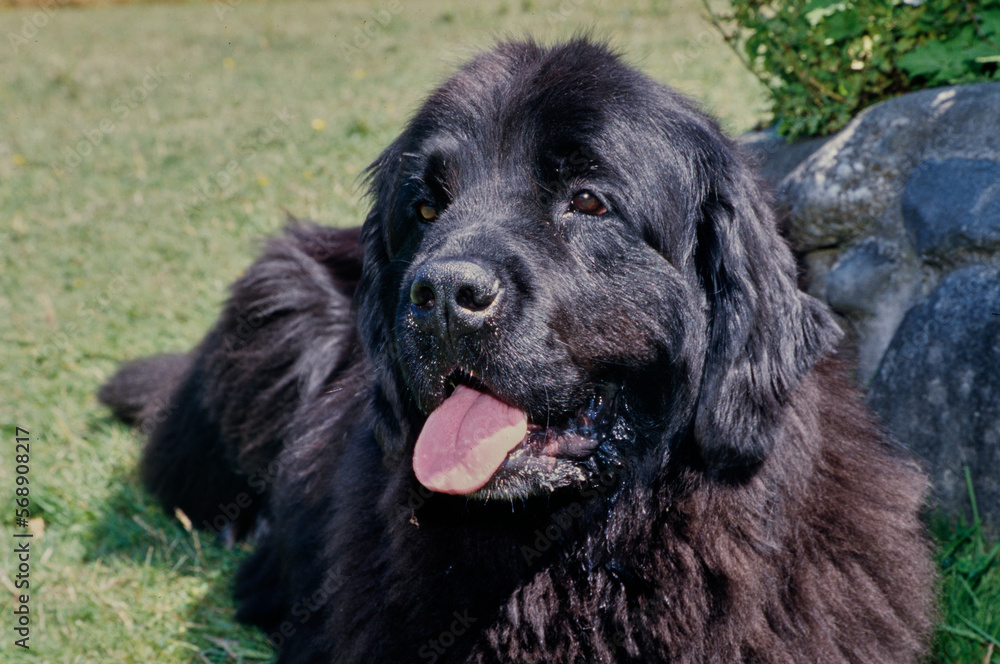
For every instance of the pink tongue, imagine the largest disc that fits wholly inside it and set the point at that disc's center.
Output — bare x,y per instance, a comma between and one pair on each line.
465,440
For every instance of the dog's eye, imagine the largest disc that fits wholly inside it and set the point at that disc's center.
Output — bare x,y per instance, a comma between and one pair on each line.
587,202
427,212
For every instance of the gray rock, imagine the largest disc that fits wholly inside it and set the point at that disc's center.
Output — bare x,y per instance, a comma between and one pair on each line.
938,389
776,156
852,186
816,266
860,276
897,219
872,285
953,205
932,155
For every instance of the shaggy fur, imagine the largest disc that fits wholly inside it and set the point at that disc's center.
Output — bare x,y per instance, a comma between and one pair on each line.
716,492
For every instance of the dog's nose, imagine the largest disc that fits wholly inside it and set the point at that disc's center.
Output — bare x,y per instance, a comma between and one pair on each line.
456,297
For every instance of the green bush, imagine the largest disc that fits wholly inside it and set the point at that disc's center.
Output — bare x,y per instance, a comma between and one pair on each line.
825,60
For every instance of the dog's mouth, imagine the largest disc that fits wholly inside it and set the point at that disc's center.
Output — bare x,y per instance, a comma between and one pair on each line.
475,444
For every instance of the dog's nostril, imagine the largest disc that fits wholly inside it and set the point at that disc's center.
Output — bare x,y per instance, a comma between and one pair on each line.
476,298
422,295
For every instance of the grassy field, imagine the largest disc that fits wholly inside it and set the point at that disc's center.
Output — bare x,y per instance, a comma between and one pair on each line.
144,150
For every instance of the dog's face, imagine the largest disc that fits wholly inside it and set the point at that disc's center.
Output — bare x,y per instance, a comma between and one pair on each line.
569,270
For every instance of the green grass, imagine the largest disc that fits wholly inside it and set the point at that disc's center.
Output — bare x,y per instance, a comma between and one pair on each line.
108,251
970,591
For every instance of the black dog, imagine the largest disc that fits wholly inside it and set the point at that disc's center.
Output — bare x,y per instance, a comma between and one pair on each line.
559,401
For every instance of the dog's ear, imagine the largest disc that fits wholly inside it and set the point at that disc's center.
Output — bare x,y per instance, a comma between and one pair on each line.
389,411
764,333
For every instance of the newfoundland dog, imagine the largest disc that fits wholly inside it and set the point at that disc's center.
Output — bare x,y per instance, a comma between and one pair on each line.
559,399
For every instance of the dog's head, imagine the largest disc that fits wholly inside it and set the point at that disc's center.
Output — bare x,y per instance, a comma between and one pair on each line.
567,269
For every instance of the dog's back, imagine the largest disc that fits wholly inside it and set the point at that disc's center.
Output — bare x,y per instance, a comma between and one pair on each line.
216,417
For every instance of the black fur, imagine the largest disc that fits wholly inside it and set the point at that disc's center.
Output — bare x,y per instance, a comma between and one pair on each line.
734,502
